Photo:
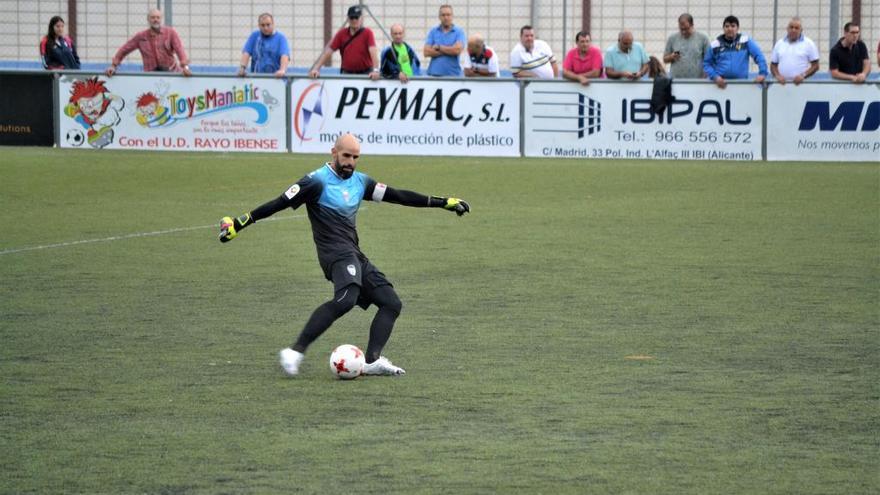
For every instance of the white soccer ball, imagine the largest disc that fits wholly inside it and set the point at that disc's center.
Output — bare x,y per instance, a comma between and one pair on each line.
75,137
347,362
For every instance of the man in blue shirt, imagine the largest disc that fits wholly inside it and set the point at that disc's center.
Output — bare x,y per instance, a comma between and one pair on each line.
332,195
627,59
728,55
444,45
267,50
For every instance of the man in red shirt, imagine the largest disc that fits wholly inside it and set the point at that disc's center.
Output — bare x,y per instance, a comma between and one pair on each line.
582,62
356,46
157,45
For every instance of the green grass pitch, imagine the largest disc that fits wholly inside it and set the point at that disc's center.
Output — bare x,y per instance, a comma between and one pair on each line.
591,327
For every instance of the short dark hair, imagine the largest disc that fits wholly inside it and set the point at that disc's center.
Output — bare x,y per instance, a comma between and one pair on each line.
687,17
579,35
849,25
524,28
731,19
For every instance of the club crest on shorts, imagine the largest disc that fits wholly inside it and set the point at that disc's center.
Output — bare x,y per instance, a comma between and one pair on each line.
351,270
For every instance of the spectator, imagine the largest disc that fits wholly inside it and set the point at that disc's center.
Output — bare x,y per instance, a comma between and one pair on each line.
357,48
444,45
266,48
482,61
58,51
158,46
685,50
728,55
582,62
399,61
532,58
795,57
627,59
849,58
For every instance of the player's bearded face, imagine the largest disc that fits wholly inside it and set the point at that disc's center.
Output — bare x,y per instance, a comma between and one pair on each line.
344,163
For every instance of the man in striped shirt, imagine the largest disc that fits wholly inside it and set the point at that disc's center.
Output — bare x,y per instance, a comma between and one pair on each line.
532,58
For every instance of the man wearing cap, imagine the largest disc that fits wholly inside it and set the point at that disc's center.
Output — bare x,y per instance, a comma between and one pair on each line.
357,48
444,44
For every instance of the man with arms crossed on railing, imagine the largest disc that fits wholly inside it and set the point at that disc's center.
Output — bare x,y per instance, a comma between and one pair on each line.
583,62
444,45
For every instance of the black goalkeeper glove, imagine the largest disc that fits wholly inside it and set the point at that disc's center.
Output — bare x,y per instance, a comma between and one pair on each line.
459,206
229,226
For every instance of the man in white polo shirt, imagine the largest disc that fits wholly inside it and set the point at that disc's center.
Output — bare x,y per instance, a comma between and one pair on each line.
532,58
795,57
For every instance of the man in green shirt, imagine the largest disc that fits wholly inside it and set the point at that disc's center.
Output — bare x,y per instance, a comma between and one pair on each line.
399,61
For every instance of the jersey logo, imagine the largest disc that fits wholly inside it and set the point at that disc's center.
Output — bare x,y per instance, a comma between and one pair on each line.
290,193
351,270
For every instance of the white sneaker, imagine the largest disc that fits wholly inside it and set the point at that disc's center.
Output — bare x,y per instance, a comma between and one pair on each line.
290,360
382,366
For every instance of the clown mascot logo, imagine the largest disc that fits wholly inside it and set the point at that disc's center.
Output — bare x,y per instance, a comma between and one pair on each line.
150,112
95,109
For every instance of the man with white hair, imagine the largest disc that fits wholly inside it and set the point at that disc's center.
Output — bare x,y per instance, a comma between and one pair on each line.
794,57
158,46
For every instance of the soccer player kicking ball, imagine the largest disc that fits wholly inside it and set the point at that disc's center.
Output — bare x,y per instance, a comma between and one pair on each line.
332,195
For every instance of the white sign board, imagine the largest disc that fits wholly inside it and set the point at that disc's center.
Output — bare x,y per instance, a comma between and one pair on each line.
824,122
421,117
172,113
615,120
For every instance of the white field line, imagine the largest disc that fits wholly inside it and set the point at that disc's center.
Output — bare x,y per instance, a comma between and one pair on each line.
132,236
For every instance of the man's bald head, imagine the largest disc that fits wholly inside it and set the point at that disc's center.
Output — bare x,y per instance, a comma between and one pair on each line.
476,44
154,19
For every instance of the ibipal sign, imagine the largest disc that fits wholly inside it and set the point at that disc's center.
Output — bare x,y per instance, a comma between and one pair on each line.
615,120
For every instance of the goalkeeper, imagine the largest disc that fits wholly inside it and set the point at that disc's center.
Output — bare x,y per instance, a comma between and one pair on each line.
332,195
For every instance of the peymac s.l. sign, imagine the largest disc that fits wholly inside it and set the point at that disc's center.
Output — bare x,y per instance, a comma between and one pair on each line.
421,117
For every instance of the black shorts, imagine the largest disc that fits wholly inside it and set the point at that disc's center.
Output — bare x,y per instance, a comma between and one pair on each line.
363,274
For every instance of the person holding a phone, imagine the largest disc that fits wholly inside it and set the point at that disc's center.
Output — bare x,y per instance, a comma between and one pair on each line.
685,50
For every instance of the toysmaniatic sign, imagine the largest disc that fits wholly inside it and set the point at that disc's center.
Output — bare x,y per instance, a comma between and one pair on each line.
172,113
615,120
422,117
